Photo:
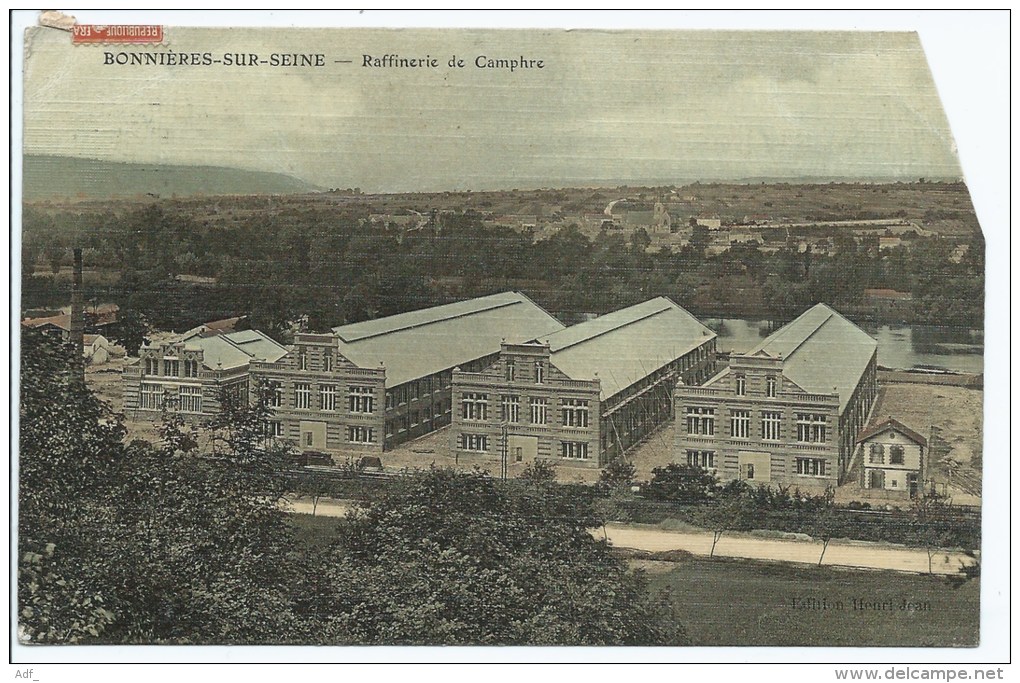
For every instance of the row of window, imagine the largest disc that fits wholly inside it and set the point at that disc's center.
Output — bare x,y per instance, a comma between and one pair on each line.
573,412
808,467
354,434
327,360
811,428
359,399
171,367
876,455
412,391
740,385
413,418
573,450
510,371
153,397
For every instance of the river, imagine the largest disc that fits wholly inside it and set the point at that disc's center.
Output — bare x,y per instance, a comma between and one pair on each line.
899,346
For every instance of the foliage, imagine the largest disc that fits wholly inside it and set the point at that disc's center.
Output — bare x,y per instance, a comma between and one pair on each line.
681,483
131,331
539,472
141,543
284,261
618,474
464,559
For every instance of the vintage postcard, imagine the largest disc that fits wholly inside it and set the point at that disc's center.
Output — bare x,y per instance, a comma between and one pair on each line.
481,337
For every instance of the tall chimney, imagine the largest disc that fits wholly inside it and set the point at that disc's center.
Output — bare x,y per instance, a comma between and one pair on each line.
77,337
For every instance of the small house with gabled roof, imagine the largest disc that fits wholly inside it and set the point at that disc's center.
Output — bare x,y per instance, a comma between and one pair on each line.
894,458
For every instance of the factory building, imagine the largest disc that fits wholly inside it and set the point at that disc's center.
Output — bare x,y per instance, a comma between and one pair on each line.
788,412
372,385
585,394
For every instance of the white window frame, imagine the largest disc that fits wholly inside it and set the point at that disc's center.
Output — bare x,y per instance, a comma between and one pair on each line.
474,406
705,459
811,428
771,425
302,396
189,398
740,424
327,397
359,434
478,443
511,409
150,396
361,399
574,450
700,421
810,467
539,411
574,412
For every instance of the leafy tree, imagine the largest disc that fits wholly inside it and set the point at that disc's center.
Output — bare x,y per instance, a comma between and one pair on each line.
684,484
131,330
539,472
933,525
730,512
141,543
618,474
464,559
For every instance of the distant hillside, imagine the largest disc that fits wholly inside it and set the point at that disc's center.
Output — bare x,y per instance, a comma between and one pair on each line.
57,177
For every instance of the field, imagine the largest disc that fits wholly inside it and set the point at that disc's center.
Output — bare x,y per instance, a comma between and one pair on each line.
731,602
723,602
951,418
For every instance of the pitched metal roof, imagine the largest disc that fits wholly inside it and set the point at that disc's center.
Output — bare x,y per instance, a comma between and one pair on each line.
894,424
823,352
625,346
233,350
423,342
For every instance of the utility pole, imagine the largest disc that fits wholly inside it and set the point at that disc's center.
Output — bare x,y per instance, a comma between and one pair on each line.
77,325
504,468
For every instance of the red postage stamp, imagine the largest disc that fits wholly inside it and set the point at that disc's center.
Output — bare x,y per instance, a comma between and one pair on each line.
116,33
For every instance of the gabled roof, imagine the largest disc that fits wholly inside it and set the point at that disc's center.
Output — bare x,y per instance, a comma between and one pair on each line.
823,352
624,346
233,350
423,342
63,321
892,423
224,325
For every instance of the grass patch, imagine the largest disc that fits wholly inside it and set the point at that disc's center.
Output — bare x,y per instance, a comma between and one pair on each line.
313,531
726,603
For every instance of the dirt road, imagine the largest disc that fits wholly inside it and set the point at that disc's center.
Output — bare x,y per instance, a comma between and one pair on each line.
858,554
839,553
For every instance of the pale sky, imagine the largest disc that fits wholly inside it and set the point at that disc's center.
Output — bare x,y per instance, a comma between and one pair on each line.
608,108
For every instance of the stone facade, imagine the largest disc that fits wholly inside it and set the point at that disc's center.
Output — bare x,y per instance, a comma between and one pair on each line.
321,400
175,376
525,408
756,423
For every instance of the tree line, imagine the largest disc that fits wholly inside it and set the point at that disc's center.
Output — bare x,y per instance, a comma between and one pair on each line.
180,263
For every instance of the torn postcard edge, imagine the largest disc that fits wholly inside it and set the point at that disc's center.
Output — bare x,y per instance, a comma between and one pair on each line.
58,20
